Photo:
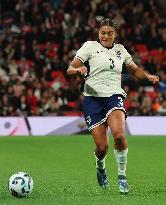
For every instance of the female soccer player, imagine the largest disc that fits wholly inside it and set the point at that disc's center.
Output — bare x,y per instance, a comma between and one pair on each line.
103,101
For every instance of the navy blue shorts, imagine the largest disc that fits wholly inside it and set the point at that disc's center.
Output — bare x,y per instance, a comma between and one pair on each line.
97,109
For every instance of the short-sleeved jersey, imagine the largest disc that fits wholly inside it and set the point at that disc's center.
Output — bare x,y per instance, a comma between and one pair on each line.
105,67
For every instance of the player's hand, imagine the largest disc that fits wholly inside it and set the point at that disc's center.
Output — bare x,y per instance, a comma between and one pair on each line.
153,78
82,70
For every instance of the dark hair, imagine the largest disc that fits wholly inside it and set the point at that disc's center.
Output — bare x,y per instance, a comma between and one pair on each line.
109,22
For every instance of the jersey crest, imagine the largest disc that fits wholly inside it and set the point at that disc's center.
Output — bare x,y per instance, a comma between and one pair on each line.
118,54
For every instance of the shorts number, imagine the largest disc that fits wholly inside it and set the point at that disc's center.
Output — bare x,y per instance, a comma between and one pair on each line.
112,65
120,103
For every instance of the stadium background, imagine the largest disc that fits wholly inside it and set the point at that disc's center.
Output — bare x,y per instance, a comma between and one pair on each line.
38,39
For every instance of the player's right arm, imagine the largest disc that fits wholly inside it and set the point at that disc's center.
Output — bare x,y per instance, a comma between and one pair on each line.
76,66
82,55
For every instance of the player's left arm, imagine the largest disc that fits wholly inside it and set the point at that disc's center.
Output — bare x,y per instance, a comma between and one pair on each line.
138,72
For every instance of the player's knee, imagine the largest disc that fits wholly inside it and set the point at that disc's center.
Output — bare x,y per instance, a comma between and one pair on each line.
103,148
119,137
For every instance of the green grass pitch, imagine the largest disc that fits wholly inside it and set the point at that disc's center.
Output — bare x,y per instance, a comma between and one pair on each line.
63,170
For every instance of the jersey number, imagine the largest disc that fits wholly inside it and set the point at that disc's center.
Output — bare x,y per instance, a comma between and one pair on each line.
112,65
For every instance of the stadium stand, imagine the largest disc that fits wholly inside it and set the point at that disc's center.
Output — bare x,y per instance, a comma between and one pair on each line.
39,38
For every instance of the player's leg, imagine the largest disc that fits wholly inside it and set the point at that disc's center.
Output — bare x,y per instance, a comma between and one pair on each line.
94,116
101,140
116,122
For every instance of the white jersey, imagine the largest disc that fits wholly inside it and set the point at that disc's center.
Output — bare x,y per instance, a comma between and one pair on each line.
104,76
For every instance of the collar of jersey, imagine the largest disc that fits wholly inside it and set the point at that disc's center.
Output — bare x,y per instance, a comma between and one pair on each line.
108,48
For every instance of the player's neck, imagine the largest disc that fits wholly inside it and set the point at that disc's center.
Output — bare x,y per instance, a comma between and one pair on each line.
108,47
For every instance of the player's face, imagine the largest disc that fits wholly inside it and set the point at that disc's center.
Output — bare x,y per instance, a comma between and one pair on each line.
107,35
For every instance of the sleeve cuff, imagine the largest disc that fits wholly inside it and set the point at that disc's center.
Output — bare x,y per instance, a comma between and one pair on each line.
129,63
78,57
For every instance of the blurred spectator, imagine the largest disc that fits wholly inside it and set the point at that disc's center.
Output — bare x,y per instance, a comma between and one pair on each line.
24,108
38,39
134,108
162,83
31,101
162,109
